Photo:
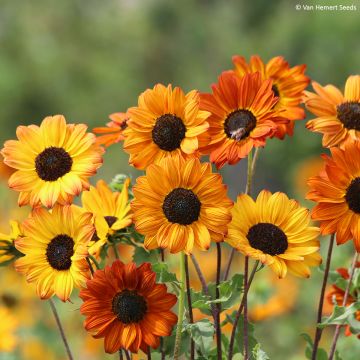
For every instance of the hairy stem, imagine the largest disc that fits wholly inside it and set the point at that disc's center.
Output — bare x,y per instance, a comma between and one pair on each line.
318,332
246,340
346,295
191,317
62,333
218,305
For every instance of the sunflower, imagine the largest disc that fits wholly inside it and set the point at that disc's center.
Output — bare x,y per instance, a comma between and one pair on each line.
243,116
8,326
276,231
55,248
124,305
337,191
113,132
338,115
53,161
288,83
180,203
111,211
8,251
336,295
166,123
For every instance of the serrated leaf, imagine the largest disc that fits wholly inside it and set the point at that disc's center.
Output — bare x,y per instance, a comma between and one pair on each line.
141,255
340,315
200,301
321,353
202,332
259,354
163,275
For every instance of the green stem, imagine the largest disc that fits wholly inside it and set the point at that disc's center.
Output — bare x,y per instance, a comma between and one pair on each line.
94,261
90,266
115,251
181,307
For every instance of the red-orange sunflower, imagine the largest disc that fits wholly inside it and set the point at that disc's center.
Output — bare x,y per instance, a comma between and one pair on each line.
113,132
337,192
242,116
288,84
166,123
125,306
338,115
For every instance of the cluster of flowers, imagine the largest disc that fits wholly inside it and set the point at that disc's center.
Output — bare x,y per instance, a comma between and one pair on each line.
180,203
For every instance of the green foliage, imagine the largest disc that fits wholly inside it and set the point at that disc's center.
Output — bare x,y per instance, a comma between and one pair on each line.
259,354
142,255
202,332
321,353
342,315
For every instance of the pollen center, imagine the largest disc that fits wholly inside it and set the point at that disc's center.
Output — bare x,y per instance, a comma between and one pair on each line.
59,252
268,238
168,132
53,163
353,195
181,206
349,114
129,307
275,90
110,220
239,124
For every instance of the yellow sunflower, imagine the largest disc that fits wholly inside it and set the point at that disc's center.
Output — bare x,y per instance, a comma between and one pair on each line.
7,249
8,326
55,248
166,123
111,211
276,231
53,161
338,115
180,203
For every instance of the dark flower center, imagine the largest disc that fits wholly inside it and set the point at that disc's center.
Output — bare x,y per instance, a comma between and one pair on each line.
275,90
268,238
349,114
181,206
110,220
59,252
129,307
168,132
239,124
353,195
53,163
9,300
124,124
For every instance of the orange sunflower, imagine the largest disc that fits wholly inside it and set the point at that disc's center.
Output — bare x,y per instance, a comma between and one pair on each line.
111,211
125,306
337,192
337,294
275,230
55,249
338,115
180,203
113,132
288,84
166,123
53,161
243,116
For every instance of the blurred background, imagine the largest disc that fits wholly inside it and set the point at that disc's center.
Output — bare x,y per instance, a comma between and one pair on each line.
88,59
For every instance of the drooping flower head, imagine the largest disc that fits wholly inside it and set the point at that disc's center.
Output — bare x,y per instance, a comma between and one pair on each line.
242,116
336,295
337,193
113,132
276,231
166,123
111,211
288,84
55,249
338,115
181,203
8,251
53,161
125,306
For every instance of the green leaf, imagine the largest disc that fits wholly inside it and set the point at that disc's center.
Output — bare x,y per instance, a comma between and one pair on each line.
259,354
321,353
341,315
201,302
162,273
141,255
202,332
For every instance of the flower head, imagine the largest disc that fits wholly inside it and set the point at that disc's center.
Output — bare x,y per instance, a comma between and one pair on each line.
166,123
288,84
338,115
242,116
113,132
55,248
111,211
53,161
337,191
276,231
125,306
179,204
8,252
